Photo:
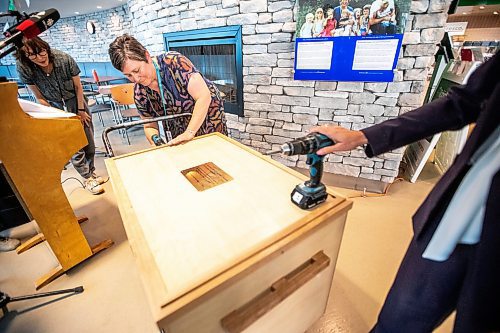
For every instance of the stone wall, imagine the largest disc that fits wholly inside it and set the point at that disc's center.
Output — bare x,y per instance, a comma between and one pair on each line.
278,108
70,34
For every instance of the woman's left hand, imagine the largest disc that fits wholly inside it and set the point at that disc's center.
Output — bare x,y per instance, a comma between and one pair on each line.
182,138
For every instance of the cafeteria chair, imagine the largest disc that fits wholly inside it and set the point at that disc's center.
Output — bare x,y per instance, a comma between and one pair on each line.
23,92
122,96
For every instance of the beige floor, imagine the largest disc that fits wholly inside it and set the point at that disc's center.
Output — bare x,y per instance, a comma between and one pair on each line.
376,235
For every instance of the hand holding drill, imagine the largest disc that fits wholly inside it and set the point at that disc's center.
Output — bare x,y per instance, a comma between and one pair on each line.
323,140
344,138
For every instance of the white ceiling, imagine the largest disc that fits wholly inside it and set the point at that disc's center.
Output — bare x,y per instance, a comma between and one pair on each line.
67,7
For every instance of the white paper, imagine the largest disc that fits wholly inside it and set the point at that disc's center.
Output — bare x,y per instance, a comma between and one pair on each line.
314,55
36,110
455,28
374,54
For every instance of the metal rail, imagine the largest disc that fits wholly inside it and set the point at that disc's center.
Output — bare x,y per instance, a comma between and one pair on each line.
125,125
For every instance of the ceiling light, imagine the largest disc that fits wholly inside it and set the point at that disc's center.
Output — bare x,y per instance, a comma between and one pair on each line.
99,7
495,13
481,7
464,13
77,13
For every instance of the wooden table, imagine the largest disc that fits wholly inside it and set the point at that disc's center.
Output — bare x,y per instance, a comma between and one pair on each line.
220,245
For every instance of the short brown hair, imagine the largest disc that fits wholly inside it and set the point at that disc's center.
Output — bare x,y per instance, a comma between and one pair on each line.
126,47
36,44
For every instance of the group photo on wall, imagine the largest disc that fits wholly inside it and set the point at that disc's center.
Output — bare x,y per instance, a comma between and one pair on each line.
335,18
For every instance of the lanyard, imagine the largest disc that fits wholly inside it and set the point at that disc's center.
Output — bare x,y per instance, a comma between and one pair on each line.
160,86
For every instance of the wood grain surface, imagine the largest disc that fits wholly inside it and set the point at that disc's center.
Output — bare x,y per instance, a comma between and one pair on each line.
205,176
34,152
193,236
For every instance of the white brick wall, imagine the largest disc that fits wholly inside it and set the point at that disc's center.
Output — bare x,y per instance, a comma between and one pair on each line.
70,34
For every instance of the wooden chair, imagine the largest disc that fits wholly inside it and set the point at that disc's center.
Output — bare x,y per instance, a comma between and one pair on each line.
92,92
123,97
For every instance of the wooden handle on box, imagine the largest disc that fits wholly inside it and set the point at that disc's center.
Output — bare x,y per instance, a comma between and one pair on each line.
246,315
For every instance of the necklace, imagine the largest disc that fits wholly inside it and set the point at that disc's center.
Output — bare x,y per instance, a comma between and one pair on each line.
47,70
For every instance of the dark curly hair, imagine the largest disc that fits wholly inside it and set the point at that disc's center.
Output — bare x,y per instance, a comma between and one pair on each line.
126,47
36,44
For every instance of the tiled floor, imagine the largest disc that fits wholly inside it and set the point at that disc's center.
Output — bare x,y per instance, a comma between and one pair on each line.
376,235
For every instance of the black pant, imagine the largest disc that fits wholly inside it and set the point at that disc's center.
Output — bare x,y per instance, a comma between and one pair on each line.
83,159
383,28
426,292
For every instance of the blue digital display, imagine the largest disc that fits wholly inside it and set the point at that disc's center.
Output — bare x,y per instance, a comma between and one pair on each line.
342,66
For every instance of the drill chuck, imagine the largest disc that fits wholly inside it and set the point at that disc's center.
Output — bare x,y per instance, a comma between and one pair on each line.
308,144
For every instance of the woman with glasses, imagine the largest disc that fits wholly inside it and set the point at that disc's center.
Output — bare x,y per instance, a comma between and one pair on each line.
169,84
53,77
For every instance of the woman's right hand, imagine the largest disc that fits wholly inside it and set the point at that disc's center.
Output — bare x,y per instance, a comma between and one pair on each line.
84,118
182,138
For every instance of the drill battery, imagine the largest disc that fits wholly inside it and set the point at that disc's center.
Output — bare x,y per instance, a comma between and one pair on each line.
307,197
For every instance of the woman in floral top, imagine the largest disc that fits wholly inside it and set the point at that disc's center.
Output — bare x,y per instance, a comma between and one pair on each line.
184,90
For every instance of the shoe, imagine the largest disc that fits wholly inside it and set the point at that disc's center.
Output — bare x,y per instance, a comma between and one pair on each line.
8,244
98,179
93,186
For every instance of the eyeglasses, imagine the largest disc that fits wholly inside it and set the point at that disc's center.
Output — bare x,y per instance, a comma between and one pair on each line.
32,56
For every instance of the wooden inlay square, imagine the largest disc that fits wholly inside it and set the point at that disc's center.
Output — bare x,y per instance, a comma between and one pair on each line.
205,176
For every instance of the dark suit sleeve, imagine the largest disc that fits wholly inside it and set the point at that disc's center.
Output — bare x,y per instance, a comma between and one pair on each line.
452,112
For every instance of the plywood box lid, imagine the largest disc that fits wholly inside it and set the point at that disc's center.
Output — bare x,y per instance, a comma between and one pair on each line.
190,236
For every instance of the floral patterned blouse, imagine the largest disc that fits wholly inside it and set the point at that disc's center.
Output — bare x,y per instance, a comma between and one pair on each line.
175,72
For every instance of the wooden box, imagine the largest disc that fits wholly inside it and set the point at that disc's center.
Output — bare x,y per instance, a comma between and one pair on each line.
220,245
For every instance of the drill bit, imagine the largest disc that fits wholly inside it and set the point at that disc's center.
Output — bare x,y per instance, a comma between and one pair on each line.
272,152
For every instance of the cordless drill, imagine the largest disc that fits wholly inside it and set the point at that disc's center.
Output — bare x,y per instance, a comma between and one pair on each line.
312,192
157,140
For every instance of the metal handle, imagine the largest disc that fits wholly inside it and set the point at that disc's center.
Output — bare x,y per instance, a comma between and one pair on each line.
107,144
246,315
